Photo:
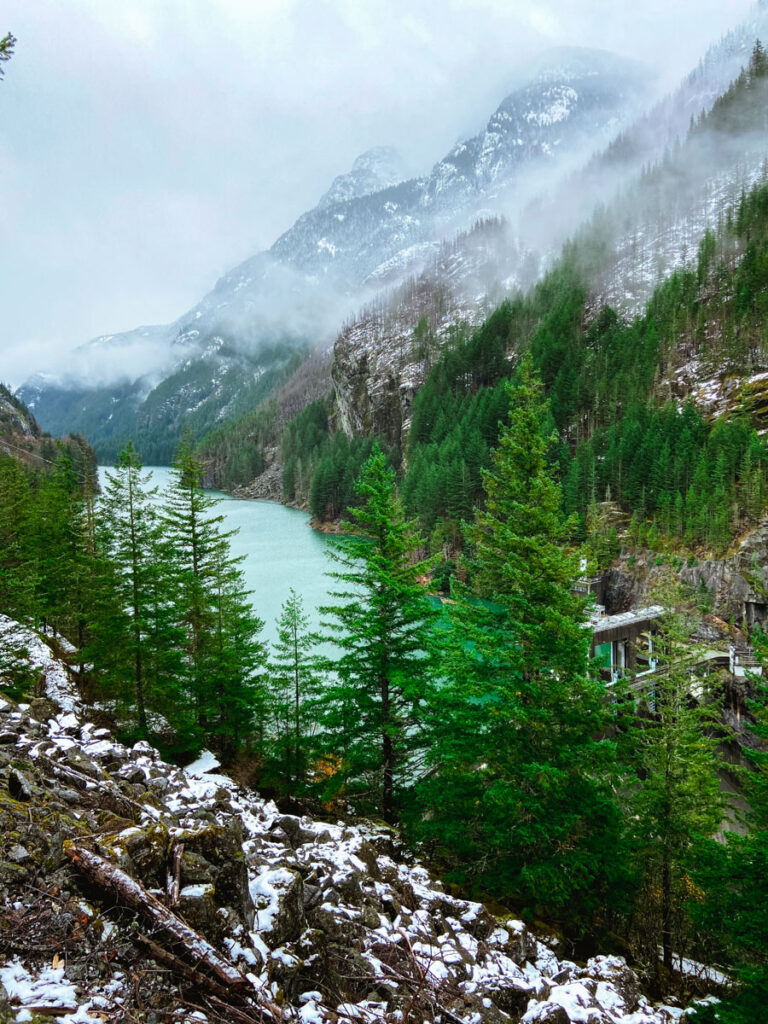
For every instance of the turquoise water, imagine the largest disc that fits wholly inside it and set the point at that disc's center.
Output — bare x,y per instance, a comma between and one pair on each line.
280,548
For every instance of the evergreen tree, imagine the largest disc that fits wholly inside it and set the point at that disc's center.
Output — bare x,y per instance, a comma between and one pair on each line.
372,715
295,672
732,875
224,656
137,642
673,796
18,569
7,44
518,799
62,548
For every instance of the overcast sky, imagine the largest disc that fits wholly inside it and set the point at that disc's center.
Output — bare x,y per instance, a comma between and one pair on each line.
149,145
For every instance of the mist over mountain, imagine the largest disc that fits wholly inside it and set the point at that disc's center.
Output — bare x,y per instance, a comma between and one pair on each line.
336,256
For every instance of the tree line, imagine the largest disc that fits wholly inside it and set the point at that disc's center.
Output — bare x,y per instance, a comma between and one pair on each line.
480,728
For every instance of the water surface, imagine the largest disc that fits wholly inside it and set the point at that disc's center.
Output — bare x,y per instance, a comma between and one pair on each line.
281,551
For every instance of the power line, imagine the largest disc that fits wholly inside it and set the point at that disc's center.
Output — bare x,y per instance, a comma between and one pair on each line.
24,451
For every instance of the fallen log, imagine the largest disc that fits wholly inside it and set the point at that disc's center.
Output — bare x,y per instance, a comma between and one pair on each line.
197,978
127,890
217,994
47,1009
173,876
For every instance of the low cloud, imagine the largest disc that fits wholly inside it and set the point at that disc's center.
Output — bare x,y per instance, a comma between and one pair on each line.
148,147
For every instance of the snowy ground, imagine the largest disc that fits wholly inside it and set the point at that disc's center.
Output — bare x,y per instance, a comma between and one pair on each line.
327,921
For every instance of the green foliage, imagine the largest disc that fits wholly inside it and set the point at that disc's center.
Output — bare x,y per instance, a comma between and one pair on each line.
692,480
136,642
372,714
686,478
224,657
295,679
17,679
333,488
518,800
304,439
7,44
673,790
732,877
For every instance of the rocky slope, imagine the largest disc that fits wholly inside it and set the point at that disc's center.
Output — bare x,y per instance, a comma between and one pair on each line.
22,439
312,921
15,419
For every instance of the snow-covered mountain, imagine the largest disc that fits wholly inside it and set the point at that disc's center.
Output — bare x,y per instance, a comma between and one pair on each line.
575,104
649,224
368,230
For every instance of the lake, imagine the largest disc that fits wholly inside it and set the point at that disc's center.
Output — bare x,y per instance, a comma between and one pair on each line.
281,551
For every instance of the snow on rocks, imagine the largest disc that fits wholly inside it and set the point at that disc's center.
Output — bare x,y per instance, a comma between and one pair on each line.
328,919
55,677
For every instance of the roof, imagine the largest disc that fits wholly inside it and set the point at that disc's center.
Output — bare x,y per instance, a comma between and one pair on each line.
637,617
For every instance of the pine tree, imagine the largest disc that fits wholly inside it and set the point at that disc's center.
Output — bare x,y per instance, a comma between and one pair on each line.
7,44
372,715
295,672
61,549
673,796
137,642
518,800
224,656
18,569
731,877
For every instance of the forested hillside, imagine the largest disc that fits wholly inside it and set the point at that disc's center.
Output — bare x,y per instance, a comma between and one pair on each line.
633,426
465,699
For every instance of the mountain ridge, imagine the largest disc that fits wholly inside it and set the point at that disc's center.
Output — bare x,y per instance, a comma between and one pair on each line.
299,292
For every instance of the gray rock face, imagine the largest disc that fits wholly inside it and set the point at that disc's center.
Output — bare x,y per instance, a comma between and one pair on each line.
737,585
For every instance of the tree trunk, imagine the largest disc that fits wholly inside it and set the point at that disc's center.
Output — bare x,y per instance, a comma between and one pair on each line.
110,878
388,757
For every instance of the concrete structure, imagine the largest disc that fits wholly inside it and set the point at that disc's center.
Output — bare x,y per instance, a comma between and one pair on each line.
615,642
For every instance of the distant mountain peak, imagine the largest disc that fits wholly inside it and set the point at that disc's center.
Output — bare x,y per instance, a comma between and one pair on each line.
375,169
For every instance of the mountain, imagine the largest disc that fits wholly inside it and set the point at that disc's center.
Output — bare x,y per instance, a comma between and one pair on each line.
648,222
372,171
645,199
660,221
576,102
366,232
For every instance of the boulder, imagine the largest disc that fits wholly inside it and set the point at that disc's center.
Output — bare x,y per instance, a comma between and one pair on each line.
510,995
221,846
618,989
19,786
198,906
522,945
546,1013
278,896
42,709
195,869
580,1004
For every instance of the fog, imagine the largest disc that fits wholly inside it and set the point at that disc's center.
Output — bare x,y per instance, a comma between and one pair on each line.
148,147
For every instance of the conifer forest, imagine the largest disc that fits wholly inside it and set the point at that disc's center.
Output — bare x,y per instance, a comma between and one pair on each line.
513,768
